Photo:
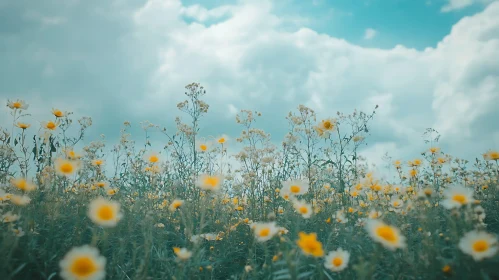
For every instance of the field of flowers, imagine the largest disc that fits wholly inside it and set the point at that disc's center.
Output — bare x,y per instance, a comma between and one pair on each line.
307,208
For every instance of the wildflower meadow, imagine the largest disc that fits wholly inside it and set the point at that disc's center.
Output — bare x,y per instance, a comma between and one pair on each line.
304,207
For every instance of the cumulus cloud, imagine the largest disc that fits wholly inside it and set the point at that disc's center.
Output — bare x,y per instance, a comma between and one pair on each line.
247,57
248,61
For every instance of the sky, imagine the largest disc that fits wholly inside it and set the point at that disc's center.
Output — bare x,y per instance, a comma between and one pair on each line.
425,63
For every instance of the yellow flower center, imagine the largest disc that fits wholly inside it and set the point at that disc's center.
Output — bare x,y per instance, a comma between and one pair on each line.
221,140
66,168
264,232
480,246
153,158
177,204
494,155
58,113
327,125
17,105
337,261
83,267
203,147
303,210
50,125
211,181
387,233
396,204
106,212
459,198
295,189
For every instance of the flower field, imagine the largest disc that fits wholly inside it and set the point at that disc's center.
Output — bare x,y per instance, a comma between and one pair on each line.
307,207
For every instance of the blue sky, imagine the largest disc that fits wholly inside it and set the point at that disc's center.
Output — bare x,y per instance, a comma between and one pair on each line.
425,63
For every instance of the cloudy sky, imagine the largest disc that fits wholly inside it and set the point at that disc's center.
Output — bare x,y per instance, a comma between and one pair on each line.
426,64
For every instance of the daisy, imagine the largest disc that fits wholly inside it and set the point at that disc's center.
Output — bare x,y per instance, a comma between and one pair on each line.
457,196
327,125
23,126
175,205
295,187
83,263
264,231
182,253
303,208
20,200
104,212
387,235
152,157
66,167
209,183
337,260
17,105
478,244
23,184
203,146
57,113
50,125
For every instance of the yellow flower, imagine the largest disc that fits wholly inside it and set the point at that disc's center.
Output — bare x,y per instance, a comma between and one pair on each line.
295,187
104,212
50,125
23,184
264,231
491,155
208,182
457,196
182,253
328,125
23,126
111,191
434,150
66,167
387,235
83,263
152,157
176,204
17,105
222,139
413,172
478,244
337,260
97,162
58,113
71,154
447,269
309,244
303,208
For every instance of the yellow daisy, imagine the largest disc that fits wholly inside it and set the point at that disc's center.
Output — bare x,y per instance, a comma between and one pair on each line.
478,244
83,263
389,236
104,212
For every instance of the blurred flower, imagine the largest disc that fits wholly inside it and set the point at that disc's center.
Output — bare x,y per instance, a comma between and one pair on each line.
303,208
264,231
175,205
83,263
57,113
478,244
209,183
17,105
456,196
66,167
295,187
389,236
23,125
104,212
182,253
337,260
309,244
23,184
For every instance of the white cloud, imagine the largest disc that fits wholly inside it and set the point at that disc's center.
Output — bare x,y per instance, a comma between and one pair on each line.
460,4
248,61
370,33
